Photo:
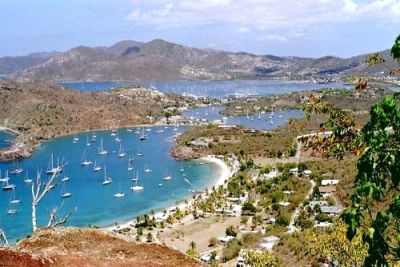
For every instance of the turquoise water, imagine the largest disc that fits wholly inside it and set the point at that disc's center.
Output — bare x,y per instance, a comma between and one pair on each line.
92,202
216,89
260,121
5,139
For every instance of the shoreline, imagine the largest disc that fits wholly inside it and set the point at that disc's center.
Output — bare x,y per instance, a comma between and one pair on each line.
221,176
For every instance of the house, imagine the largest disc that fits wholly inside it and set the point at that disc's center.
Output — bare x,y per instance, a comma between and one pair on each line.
294,171
271,220
327,190
227,126
307,173
199,143
322,224
329,182
206,257
226,238
271,174
284,203
332,210
314,203
287,192
269,242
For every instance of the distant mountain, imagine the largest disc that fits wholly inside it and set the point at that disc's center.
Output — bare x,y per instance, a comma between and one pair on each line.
161,60
10,65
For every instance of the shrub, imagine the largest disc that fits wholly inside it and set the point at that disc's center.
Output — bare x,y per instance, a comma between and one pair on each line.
231,231
212,242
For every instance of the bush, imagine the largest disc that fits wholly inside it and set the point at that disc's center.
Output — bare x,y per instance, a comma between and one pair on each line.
231,231
249,207
212,242
149,237
283,219
231,251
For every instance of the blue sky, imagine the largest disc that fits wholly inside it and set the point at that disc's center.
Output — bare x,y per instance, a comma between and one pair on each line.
279,27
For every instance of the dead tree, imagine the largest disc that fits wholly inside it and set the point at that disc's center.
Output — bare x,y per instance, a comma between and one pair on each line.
39,190
3,239
53,222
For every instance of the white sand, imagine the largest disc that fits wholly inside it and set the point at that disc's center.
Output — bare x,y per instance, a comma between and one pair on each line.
223,174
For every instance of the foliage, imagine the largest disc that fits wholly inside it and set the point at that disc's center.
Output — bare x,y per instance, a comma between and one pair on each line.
212,242
192,251
333,242
283,219
260,259
231,231
231,250
249,207
371,214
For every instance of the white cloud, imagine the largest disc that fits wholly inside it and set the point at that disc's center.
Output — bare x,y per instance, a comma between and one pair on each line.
263,16
273,38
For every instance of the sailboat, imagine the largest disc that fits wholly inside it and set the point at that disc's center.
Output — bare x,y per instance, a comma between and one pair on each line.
139,153
160,131
93,137
75,139
136,178
130,166
121,152
167,176
102,151
84,161
7,186
53,170
87,141
117,139
96,167
107,180
119,194
65,178
13,200
147,170
16,170
113,132
4,179
142,136
11,210
65,194
137,187
27,179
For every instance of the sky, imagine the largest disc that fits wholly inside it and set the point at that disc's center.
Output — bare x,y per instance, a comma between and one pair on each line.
311,28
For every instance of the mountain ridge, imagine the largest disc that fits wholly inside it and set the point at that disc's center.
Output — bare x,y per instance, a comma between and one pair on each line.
163,60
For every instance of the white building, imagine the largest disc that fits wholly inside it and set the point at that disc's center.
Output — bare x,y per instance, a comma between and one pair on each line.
329,182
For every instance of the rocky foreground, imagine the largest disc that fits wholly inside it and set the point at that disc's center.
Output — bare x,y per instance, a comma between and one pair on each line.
88,247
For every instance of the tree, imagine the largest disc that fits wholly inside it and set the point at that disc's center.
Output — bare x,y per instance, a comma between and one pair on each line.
149,237
244,220
192,251
39,190
212,242
231,231
378,146
3,239
260,259
249,207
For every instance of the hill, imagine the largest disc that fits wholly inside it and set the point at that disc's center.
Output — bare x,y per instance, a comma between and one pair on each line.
88,247
9,65
42,111
162,60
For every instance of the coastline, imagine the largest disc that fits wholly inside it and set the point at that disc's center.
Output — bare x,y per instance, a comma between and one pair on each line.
222,174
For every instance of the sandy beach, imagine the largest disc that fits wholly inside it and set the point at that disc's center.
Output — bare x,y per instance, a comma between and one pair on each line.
221,176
